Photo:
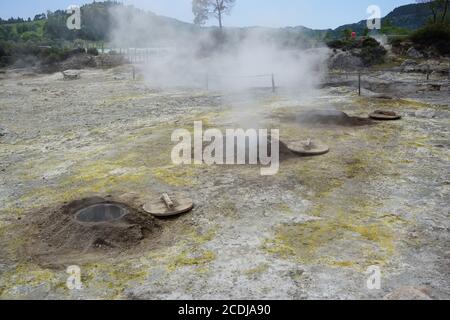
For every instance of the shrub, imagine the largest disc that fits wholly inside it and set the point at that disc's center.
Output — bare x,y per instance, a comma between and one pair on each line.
92,51
370,43
51,59
336,44
435,36
372,52
369,50
343,44
53,55
396,42
32,52
76,51
372,55
30,36
3,49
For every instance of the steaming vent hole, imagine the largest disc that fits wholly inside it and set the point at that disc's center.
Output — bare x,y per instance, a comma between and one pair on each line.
98,213
74,231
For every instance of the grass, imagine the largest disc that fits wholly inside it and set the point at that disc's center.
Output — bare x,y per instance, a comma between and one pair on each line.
342,240
351,231
189,259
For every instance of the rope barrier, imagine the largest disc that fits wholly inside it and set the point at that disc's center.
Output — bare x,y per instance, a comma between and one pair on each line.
208,77
233,76
366,74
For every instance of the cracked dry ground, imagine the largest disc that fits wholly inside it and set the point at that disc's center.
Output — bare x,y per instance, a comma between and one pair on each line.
380,197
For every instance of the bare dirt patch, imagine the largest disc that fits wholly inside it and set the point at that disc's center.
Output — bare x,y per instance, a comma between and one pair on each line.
326,118
88,226
379,197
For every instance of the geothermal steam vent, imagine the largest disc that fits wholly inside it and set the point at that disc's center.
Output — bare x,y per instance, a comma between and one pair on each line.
91,224
100,213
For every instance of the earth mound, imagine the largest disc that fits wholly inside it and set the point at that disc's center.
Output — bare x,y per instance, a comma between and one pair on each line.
93,225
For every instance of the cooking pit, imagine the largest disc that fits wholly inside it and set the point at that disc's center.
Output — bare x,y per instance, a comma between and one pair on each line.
101,213
326,118
284,152
93,226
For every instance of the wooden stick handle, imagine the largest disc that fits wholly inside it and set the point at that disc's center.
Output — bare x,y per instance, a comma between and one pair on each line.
169,203
308,144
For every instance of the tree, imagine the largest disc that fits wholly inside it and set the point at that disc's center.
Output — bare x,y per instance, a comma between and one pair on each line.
437,6
41,16
446,7
347,33
432,5
366,32
203,9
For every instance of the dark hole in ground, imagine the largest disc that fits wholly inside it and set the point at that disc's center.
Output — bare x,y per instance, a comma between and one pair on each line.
89,226
327,117
254,145
103,212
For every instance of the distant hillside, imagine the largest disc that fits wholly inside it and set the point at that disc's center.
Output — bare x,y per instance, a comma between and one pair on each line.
98,22
408,17
412,16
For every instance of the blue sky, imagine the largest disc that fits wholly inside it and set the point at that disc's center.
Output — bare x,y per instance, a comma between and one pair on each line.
318,14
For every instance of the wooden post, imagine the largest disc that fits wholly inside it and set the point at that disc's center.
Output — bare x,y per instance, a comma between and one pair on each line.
359,83
428,72
134,73
273,83
207,82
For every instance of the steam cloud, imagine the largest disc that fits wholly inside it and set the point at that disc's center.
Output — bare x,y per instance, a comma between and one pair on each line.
187,55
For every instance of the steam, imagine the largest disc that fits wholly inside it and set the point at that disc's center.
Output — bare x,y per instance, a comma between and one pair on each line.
382,39
231,60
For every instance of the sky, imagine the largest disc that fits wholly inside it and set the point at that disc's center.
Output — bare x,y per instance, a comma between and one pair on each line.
316,14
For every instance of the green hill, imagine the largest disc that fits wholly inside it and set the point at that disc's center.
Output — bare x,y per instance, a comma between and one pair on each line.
412,16
402,20
97,23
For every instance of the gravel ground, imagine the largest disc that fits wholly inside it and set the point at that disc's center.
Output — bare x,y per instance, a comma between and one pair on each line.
379,198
